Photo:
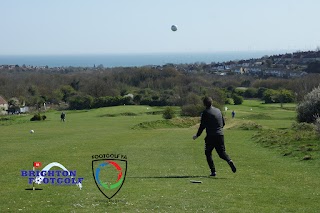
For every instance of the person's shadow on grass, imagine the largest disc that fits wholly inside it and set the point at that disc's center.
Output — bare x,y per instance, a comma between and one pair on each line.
178,176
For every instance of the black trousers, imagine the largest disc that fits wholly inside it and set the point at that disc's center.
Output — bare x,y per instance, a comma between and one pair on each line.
215,142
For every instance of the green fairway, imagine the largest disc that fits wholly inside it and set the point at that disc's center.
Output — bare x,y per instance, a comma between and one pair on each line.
161,163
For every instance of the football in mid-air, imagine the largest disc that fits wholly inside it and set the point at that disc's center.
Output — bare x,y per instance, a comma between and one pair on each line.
174,28
31,131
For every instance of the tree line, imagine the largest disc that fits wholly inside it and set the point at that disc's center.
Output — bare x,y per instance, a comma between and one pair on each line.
92,88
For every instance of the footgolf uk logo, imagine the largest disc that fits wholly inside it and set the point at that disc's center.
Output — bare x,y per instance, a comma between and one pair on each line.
109,172
53,177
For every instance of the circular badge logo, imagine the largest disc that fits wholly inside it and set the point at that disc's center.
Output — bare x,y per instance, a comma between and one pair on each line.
105,166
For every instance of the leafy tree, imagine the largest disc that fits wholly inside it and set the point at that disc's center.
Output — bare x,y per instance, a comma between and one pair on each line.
123,92
33,90
237,99
137,99
192,98
302,86
246,83
35,101
250,93
75,84
231,89
67,92
260,92
98,87
13,102
239,91
269,96
278,96
219,97
111,101
284,96
309,109
155,97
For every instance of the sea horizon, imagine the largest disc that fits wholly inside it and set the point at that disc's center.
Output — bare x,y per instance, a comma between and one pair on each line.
130,60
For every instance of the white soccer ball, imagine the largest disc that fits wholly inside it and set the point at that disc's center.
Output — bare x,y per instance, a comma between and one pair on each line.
31,131
174,28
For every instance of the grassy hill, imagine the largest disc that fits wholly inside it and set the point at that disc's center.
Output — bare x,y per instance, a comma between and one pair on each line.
162,159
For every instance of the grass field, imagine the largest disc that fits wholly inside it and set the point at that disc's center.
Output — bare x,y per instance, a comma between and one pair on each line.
161,162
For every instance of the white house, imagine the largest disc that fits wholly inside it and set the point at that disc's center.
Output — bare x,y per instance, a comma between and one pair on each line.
3,105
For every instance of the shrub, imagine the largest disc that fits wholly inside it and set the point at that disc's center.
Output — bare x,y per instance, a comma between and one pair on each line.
191,110
302,126
250,126
81,102
168,113
38,117
309,107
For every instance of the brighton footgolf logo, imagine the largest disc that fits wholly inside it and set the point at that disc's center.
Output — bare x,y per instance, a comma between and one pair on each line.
109,173
53,177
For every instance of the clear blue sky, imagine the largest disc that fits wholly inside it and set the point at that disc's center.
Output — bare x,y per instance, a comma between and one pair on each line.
143,26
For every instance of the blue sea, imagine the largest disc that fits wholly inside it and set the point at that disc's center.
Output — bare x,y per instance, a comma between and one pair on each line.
128,60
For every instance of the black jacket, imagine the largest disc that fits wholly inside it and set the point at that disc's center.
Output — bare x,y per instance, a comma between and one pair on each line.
211,120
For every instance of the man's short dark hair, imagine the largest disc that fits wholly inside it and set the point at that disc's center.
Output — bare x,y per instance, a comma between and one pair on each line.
207,101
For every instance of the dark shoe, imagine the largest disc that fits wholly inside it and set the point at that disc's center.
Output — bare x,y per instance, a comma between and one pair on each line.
233,167
213,174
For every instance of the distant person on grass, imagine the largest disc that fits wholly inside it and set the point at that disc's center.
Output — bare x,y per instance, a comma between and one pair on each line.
213,121
63,116
233,114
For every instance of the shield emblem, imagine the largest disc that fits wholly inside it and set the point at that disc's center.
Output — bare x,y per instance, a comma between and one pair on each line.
109,175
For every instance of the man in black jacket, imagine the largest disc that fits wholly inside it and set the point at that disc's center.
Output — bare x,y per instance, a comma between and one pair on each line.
213,121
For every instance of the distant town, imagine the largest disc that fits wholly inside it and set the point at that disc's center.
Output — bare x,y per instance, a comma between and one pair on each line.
289,65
